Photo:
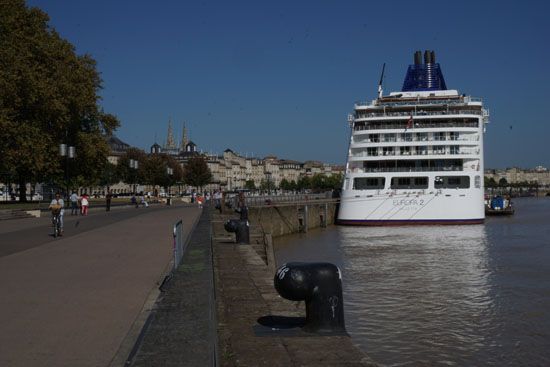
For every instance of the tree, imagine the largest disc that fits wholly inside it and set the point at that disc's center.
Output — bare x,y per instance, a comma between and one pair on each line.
490,182
503,182
250,185
196,172
110,175
155,170
48,95
303,183
334,182
128,174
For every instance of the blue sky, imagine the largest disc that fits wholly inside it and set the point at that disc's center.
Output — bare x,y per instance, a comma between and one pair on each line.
280,77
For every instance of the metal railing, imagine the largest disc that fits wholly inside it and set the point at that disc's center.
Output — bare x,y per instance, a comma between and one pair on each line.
178,243
413,139
403,126
411,153
284,198
463,101
420,113
406,169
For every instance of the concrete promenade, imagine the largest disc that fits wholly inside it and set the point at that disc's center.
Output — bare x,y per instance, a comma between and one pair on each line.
80,300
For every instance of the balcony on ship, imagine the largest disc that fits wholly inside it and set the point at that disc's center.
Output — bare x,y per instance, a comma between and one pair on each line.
366,140
424,165
412,152
416,124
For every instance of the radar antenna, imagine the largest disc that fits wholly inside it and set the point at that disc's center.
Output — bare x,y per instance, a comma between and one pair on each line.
381,80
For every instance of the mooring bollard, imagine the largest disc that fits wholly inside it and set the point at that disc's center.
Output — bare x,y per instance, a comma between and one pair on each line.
241,228
320,286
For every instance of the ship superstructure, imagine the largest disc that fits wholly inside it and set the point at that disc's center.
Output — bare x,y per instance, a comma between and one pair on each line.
416,156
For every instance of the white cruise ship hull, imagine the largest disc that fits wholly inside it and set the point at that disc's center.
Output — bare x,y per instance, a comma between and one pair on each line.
445,207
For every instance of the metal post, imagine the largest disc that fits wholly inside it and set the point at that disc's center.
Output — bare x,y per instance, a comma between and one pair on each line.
305,218
178,243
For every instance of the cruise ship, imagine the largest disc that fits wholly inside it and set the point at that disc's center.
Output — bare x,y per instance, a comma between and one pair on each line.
416,156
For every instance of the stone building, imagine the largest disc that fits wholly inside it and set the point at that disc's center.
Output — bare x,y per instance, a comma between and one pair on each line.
230,171
514,175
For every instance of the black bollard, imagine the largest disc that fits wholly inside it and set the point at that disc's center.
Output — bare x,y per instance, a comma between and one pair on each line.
320,286
241,229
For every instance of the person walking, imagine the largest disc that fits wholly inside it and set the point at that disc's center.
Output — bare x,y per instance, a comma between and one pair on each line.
218,200
84,203
143,201
108,199
74,203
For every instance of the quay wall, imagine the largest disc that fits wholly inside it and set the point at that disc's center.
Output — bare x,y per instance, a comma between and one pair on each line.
282,219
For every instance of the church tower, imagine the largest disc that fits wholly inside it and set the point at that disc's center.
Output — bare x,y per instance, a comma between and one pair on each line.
184,139
170,143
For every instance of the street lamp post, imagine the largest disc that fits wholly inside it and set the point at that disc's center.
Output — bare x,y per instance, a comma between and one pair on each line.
68,152
169,172
268,177
134,164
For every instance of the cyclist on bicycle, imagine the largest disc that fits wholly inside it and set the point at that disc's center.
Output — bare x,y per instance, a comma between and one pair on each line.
57,208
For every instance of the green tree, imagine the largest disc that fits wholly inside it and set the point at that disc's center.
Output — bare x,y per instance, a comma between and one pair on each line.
503,182
285,184
303,183
267,185
319,182
490,182
250,185
109,175
155,171
128,174
48,95
196,172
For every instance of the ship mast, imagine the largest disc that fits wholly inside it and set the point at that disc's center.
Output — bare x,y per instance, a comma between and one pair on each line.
381,80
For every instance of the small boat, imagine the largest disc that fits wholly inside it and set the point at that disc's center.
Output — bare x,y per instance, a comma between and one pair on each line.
498,205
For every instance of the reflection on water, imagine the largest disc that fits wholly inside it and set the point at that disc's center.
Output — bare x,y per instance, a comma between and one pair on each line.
443,295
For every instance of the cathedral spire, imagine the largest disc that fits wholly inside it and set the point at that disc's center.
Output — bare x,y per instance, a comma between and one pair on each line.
184,139
170,143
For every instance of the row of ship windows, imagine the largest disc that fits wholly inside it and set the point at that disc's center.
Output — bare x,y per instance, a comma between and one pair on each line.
420,150
405,137
398,125
440,182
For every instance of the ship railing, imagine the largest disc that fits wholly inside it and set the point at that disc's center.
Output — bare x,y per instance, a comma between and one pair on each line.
422,101
407,169
411,140
417,126
412,153
418,113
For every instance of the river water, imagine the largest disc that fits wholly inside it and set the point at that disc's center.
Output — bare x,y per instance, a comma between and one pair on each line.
443,295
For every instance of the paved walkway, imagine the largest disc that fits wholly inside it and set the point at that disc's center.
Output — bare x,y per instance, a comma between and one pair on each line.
74,301
182,328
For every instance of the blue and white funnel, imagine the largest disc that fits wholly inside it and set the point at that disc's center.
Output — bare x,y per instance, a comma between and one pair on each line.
424,76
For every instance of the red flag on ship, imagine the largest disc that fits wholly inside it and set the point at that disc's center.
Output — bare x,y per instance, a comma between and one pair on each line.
410,122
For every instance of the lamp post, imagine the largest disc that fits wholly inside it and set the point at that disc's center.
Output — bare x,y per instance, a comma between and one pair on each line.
268,177
169,172
134,164
68,152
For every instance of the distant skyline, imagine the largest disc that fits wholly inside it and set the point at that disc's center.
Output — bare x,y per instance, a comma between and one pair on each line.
278,78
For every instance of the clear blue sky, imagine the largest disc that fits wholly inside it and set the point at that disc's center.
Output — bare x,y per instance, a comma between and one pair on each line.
279,78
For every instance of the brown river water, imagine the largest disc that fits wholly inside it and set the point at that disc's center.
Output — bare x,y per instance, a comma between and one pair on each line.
473,295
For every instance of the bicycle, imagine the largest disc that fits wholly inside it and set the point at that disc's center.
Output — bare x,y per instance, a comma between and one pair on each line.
56,221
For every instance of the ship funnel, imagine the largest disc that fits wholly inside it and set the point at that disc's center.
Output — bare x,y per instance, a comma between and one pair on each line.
424,76
418,58
427,57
